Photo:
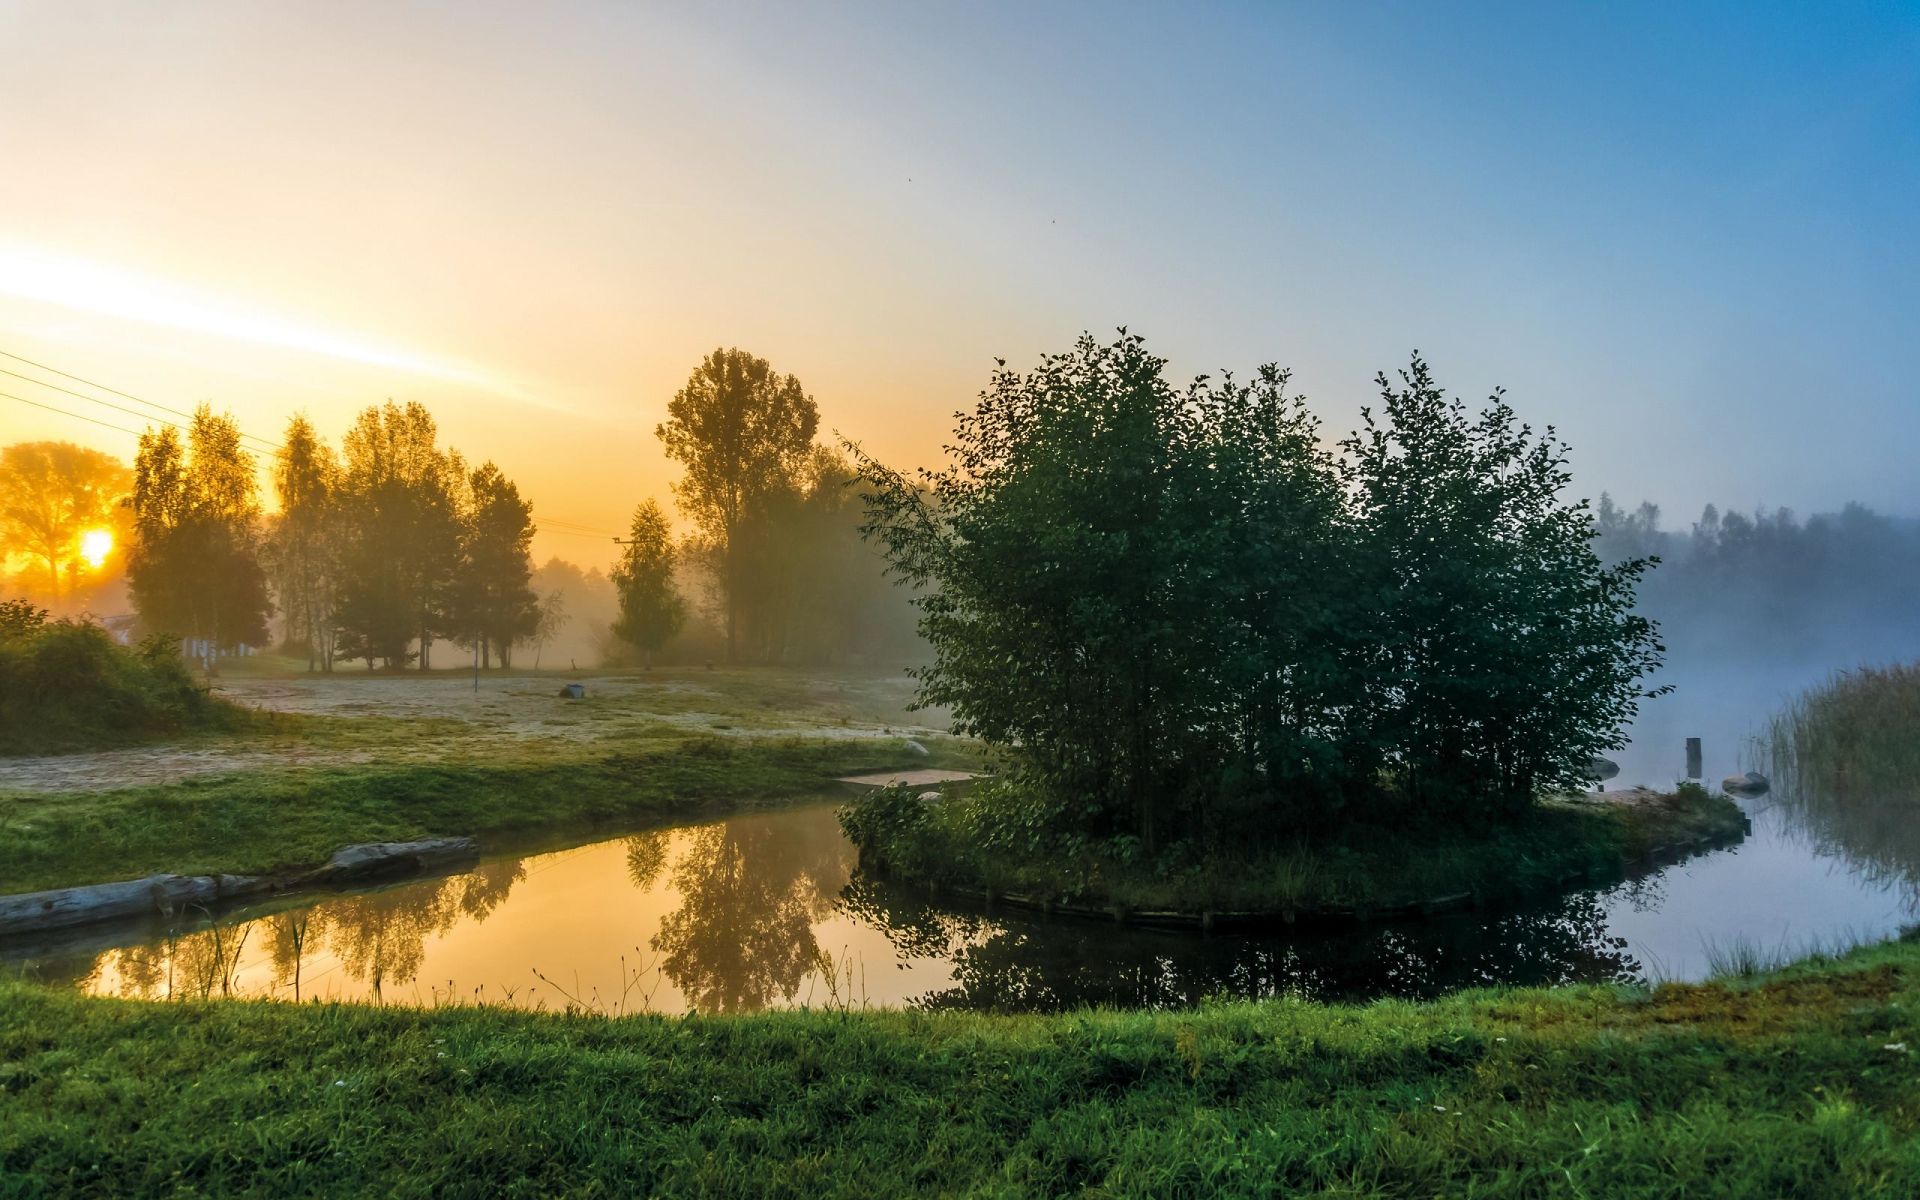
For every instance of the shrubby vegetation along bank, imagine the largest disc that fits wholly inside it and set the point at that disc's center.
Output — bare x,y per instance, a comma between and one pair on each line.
67,685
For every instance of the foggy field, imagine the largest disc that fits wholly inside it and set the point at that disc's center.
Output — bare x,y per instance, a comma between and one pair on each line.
354,718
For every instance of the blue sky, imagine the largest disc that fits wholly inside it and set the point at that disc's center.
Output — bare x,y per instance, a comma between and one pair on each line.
1685,235
1688,235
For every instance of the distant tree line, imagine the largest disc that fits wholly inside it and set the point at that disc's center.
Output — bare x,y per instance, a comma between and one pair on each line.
1183,617
1834,589
392,544
375,553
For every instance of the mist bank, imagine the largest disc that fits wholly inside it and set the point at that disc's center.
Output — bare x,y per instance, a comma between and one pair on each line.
1753,609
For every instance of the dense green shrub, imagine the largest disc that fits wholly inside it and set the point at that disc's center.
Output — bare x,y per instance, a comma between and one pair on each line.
1183,618
68,685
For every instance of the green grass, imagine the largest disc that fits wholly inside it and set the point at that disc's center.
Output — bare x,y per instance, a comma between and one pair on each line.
261,821
1804,1083
1363,867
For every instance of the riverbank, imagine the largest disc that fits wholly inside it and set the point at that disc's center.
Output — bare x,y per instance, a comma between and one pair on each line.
1365,873
269,823
1802,1082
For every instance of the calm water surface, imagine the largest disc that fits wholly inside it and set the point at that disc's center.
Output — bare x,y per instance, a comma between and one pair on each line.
766,911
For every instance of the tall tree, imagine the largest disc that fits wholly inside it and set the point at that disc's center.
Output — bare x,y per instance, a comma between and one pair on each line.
304,547
52,495
1069,608
401,500
742,432
1503,653
651,608
195,565
493,605
552,616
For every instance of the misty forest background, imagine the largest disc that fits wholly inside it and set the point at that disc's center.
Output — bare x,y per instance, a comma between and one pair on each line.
390,550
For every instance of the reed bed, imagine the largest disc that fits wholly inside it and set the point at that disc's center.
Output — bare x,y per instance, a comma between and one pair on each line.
1845,762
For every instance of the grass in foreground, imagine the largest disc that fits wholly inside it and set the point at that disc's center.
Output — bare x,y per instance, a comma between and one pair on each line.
1804,1083
261,822
957,842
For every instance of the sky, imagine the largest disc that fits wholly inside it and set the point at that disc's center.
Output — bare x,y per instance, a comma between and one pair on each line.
1687,236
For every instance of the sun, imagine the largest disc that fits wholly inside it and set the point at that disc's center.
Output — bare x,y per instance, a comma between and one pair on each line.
95,545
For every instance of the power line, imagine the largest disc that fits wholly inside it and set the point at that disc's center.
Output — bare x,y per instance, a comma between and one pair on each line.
41,383
108,403
90,383
550,524
575,526
80,416
542,528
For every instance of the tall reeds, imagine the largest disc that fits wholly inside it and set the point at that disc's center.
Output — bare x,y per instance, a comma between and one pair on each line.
1845,762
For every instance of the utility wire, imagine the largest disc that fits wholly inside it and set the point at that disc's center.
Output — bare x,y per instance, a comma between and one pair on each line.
90,383
108,403
575,526
79,416
598,537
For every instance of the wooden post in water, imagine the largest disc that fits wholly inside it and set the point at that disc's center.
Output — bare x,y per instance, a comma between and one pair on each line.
1693,758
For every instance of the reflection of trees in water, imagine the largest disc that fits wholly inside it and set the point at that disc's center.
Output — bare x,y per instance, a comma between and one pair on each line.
1020,964
1878,835
750,892
200,963
378,937
646,855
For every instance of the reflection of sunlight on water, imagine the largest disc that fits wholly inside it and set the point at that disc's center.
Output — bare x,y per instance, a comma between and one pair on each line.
733,916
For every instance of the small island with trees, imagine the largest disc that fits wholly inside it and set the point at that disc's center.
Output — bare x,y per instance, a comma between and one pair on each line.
1229,670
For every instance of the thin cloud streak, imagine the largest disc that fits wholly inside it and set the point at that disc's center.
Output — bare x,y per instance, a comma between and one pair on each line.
42,276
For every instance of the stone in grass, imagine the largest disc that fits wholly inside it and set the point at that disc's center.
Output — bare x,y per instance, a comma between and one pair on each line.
917,748
574,691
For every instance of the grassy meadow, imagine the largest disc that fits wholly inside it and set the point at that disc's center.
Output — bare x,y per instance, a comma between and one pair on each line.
1803,1082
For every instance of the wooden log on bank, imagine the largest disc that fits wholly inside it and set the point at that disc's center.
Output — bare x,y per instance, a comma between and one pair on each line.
156,895
170,895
